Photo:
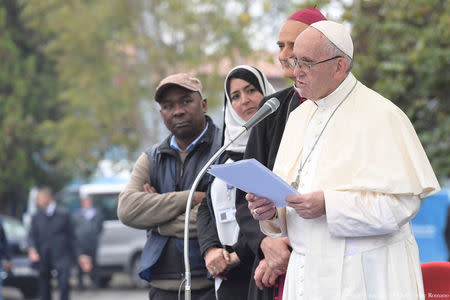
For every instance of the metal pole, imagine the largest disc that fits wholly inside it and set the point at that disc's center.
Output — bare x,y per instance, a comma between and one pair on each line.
187,289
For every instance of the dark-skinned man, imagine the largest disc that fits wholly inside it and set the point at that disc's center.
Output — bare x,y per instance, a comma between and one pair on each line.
155,197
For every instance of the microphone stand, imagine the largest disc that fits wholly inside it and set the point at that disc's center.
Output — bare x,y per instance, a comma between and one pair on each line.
187,289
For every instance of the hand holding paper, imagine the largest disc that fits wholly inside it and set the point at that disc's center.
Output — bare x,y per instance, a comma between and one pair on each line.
260,208
308,206
251,176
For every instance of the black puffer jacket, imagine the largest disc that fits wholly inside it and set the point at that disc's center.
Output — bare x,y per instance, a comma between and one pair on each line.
263,145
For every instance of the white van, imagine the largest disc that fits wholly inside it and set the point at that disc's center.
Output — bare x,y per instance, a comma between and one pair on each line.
120,246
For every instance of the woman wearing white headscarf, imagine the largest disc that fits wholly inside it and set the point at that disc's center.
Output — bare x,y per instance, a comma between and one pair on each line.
228,258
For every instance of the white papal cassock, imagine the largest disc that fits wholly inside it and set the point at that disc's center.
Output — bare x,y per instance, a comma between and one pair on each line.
373,170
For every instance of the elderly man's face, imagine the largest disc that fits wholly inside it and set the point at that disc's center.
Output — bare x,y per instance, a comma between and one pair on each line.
286,38
183,112
316,82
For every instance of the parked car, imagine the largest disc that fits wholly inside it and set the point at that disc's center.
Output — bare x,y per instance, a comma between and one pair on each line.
22,275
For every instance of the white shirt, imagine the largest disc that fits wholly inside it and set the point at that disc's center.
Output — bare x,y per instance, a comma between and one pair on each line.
88,213
50,210
310,156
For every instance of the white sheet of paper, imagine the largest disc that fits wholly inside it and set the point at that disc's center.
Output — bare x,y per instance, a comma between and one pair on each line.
251,176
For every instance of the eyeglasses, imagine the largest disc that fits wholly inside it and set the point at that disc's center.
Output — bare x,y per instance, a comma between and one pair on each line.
306,67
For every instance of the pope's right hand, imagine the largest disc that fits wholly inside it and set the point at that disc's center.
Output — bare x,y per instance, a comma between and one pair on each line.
260,208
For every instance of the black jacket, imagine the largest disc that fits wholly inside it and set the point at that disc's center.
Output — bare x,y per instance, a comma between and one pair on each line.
206,227
54,238
238,279
88,232
263,145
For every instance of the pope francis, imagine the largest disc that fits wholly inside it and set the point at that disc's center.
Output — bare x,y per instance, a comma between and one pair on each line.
361,173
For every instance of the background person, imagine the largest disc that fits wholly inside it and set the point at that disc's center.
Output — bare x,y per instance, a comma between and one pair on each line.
88,222
263,145
53,245
225,250
155,197
360,171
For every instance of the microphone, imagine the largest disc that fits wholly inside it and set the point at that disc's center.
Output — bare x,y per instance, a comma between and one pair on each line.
268,108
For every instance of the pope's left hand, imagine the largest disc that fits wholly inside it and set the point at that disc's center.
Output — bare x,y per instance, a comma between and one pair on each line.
308,206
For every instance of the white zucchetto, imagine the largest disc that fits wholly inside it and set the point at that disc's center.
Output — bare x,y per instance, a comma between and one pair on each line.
337,34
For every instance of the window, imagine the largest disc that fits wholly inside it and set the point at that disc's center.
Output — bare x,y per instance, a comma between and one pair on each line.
107,203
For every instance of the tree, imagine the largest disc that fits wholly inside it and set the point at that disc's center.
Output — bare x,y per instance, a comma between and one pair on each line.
27,93
109,56
77,74
402,50
98,89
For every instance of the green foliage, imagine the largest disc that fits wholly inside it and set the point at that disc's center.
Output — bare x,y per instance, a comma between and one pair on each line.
109,56
192,36
27,91
97,81
75,73
402,50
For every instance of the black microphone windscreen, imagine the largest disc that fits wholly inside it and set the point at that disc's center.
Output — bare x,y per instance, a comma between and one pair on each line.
268,108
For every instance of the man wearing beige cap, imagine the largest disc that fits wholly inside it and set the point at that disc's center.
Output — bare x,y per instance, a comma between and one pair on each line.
360,172
155,197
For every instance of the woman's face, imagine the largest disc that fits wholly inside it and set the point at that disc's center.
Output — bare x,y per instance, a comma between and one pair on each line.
244,98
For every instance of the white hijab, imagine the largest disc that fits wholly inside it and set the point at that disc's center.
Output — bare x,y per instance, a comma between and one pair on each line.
232,122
